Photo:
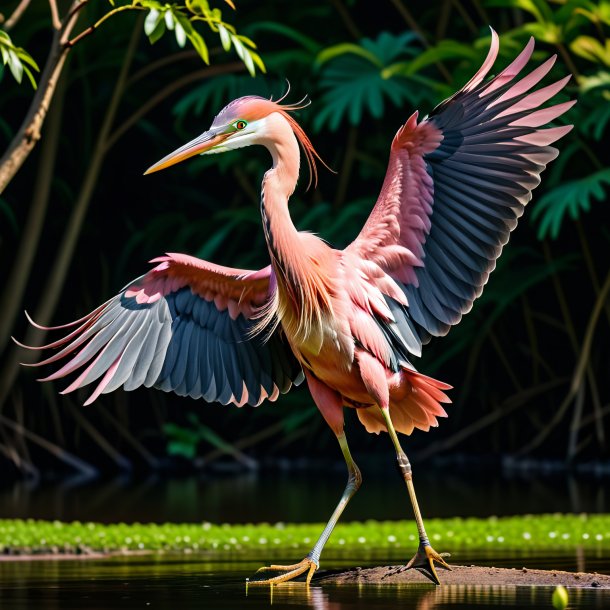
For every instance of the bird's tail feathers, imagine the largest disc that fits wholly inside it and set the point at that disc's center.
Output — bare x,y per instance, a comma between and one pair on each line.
420,408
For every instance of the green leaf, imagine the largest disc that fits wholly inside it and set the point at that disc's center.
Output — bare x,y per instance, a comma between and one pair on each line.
590,48
15,65
169,20
596,12
158,32
225,38
594,123
256,58
180,35
181,441
152,20
547,32
30,76
193,35
353,79
26,58
199,43
596,81
447,49
17,59
344,49
572,198
538,8
244,54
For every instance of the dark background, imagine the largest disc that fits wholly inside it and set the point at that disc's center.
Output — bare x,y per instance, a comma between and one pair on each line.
529,363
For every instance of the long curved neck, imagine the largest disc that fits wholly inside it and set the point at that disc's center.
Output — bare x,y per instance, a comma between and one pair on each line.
303,294
278,185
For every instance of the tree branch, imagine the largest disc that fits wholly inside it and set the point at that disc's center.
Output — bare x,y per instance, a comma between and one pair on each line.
55,14
579,371
61,454
14,18
88,31
29,133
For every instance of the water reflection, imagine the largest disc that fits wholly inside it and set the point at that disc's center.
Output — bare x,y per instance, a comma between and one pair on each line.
169,583
300,496
425,597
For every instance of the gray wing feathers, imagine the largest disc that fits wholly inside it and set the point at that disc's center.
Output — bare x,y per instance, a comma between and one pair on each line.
179,343
484,170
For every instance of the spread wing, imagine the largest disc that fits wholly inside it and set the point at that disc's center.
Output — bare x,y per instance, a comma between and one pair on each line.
186,327
455,186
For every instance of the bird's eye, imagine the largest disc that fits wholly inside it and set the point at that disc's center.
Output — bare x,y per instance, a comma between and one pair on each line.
240,125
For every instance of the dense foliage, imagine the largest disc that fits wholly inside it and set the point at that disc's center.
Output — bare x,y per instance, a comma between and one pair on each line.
78,221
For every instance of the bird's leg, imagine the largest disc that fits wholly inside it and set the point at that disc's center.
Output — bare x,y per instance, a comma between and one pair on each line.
426,556
312,561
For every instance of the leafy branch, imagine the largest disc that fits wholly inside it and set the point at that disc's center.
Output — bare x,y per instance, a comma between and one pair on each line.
572,198
19,61
182,19
179,18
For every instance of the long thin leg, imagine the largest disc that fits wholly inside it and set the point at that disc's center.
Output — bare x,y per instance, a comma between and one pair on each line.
426,555
354,480
312,561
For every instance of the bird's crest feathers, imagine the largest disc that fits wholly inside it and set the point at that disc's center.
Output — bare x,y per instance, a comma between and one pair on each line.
254,108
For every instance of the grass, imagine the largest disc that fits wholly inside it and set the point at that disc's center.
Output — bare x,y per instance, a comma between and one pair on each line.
529,532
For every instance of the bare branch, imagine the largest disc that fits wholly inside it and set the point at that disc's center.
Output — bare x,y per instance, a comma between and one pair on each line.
55,14
14,18
581,368
29,132
88,31
349,23
61,454
508,406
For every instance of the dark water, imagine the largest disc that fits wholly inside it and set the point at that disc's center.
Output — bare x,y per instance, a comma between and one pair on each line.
183,582
167,583
303,496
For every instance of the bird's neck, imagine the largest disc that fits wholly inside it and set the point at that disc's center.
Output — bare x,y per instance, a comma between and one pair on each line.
303,295
283,239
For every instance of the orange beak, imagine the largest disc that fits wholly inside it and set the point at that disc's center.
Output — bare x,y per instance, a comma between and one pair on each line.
200,145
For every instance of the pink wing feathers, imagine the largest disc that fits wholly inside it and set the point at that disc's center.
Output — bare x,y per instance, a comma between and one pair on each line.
455,186
187,327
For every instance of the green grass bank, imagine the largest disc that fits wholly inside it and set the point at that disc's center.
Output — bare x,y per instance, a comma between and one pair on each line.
529,532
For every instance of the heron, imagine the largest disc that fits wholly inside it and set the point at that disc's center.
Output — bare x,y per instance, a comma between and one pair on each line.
348,322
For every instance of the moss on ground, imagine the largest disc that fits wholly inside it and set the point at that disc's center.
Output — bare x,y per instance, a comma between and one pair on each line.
557,532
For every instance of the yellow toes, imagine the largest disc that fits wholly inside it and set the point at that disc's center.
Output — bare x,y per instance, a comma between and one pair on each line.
425,559
290,572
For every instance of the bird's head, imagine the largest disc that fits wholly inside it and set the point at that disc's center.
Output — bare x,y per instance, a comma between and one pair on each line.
245,121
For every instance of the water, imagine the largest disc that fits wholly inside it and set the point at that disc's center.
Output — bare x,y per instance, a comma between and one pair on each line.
170,583
188,581
306,496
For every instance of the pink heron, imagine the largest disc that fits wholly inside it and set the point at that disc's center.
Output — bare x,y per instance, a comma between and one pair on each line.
347,321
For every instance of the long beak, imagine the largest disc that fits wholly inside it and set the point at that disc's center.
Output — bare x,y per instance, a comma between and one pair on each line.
201,144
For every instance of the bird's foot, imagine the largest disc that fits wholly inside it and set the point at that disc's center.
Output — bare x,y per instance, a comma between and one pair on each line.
424,561
289,572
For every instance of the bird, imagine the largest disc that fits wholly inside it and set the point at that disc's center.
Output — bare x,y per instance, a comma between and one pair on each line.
347,322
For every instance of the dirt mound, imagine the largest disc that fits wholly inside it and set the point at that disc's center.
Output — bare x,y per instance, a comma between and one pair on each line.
471,575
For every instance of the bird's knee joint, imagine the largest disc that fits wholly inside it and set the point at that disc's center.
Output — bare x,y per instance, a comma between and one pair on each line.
404,466
355,479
